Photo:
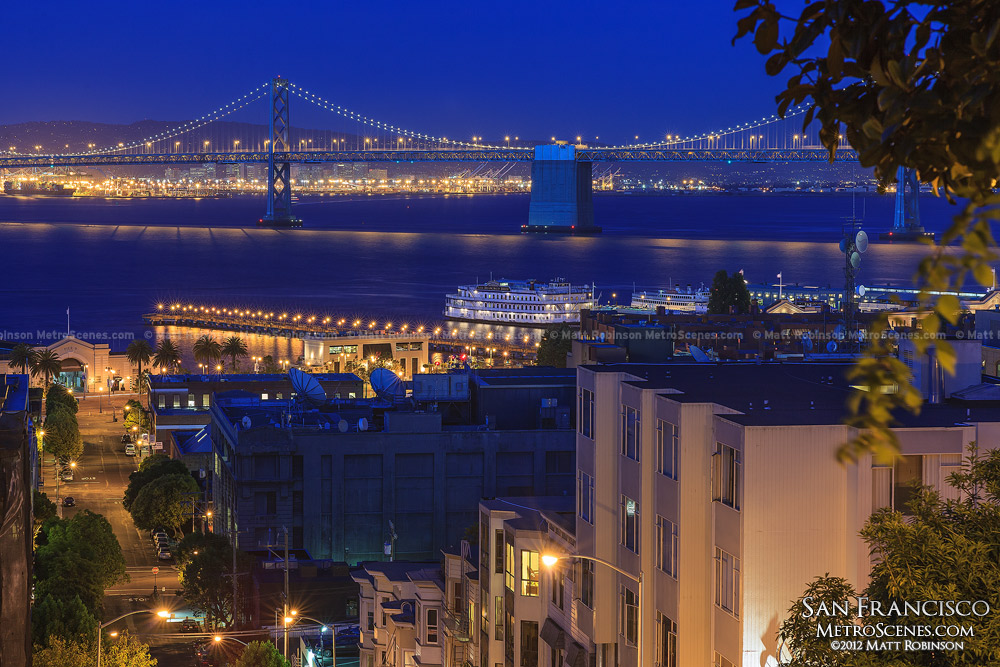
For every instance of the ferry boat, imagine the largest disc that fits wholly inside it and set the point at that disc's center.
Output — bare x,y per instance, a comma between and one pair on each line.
673,299
528,303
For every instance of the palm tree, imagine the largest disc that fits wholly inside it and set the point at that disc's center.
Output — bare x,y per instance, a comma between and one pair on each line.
207,350
48,364
167,354
139,352
234,347
25,357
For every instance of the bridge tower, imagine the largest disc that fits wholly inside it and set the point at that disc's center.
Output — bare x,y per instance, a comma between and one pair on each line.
906,217
279,189
562,192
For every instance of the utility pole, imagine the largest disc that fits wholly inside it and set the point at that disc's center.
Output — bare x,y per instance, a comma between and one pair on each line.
285,617
235,540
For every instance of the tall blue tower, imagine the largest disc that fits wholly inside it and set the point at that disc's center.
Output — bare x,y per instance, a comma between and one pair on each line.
279,188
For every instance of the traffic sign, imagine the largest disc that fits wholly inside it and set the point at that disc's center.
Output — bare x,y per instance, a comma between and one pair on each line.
156,570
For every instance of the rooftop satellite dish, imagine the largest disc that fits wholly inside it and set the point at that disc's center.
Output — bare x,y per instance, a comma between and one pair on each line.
843,245
307,387
698,354
387,384
855,259
343,426
807,343
831,347
862,290
246,421
861,241
838,332
363,424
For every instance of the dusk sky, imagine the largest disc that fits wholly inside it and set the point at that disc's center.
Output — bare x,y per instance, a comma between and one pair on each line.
533,69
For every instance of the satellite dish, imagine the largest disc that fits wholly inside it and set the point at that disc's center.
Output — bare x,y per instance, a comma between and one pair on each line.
838,332
843,245
307,387
698,354
387,384
855,259
831,347
343,426
246,421
363,424
861,241
807,343
862,290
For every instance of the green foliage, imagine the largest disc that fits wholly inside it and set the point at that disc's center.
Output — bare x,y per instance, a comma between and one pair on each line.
161,501
261,654
48,364
269,365
235,348
62,434
167,355
151,468
942,550
43,508
24,358
207,351
729,295
138,353
206,586
68,620
59,395
136,415
126,651
363,369
911,84
62,653
555,345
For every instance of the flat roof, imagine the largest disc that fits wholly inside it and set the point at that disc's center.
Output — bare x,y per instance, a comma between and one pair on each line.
529,375
247,377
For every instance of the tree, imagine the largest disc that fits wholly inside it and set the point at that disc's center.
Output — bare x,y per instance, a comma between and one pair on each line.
62,434
43,509
48,364
61,619
363,369
269,365
24,357
62,653
136,415
261,654
207,350
235,348
167,355
909,84
161,502
556,343
138,353
939,550
729,295
65,575
204,575
59,395
152,467
126,651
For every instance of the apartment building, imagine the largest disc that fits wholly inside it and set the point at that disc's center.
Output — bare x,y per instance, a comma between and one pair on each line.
719,484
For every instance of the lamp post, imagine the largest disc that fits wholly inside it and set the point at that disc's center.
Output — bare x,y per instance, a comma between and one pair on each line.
218,639
100,400
162,613
323,627
549,560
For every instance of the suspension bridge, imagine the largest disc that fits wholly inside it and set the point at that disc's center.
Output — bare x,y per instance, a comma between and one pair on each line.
561,171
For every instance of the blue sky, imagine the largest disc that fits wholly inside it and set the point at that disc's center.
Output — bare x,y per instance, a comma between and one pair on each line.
535,69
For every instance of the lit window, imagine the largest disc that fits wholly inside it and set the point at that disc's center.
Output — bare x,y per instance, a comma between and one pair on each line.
629,510
530,576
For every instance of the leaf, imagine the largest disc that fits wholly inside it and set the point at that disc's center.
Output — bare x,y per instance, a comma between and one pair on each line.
948,307
766,37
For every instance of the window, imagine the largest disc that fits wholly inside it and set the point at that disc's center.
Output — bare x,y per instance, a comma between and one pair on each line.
162,401
629,621
432,626
555,657
509,571
499,555
190,401
666,641
263,396
371,620
630,432
385,600
484,541
727,582
177,400
585,494
530,576
558,589
629,511
666,448
498,617
586,412
529,644
719,661
206,400
587,583
726,475
666,546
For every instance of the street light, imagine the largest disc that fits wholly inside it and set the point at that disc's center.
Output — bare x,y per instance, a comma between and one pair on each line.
162,613
218,640
549,560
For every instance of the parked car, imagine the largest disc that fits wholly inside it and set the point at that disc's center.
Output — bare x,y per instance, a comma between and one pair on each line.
68,501
165,554
130,449
190,625
66,475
